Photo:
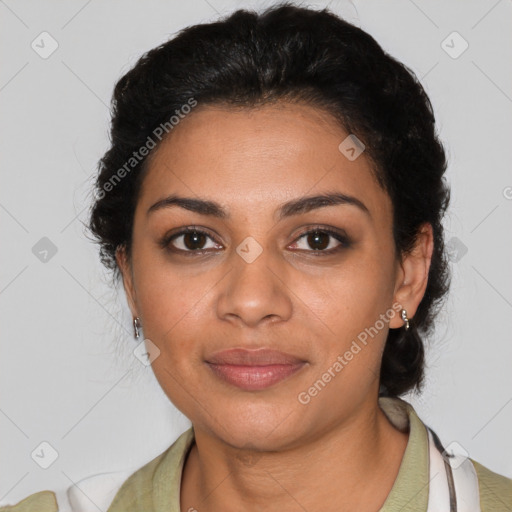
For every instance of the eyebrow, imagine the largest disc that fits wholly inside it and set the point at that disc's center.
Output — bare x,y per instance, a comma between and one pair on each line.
288,209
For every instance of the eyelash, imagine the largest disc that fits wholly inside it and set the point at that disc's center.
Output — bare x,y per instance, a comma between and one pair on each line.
338,235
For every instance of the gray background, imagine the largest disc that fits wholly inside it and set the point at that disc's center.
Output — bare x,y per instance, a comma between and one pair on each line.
67,370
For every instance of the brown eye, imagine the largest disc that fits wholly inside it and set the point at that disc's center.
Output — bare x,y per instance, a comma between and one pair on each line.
323,241
318,240
188,241
194,240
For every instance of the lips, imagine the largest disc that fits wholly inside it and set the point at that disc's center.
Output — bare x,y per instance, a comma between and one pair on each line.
253,370
259,357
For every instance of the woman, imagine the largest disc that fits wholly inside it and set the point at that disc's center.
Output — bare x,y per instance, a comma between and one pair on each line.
272,201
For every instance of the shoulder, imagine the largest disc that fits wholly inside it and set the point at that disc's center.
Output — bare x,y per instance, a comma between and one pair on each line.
156,485
133,489
135,492
495,489
43,501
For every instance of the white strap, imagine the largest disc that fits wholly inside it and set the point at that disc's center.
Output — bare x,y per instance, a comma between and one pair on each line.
465,479
438,493
95,493
63,503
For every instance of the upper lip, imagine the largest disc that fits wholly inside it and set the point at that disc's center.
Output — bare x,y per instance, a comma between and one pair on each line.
258,357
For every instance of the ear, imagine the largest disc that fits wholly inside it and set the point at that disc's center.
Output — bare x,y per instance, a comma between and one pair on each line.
127,275
412,276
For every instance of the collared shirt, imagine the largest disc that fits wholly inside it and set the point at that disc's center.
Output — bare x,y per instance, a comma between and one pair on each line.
155,487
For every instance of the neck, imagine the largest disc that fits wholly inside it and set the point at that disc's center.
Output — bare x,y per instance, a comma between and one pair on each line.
352,465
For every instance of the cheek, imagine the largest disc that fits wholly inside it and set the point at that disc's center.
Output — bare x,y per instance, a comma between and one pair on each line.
174,316
353,295
350,303
171,306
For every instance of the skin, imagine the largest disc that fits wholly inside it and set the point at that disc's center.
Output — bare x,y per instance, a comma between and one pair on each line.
251,445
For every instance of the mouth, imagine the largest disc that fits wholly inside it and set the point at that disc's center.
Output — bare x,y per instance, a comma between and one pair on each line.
253,370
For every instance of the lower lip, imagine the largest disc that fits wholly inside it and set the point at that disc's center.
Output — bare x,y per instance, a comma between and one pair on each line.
252,378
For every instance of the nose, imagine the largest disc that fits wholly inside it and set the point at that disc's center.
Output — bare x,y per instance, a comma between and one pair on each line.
256,289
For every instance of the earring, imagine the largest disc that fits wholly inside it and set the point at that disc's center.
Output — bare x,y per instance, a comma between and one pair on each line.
136,327
403,313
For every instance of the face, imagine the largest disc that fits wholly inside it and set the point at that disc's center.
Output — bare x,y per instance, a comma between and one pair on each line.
306,281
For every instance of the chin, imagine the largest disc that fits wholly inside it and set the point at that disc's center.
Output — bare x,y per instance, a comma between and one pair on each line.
262,425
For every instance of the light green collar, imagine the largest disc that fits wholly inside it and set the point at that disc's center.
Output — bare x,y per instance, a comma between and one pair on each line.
409,492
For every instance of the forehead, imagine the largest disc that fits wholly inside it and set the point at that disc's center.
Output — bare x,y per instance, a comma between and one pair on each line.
258,158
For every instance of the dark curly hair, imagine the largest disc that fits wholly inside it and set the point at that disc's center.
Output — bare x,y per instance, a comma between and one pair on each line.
293,54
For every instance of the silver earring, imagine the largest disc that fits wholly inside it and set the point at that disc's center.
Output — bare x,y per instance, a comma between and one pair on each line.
136,327
403,313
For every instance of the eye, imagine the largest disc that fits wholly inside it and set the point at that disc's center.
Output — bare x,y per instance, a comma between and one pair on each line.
193,241
188,240
321,240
